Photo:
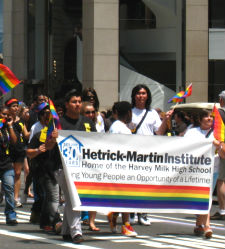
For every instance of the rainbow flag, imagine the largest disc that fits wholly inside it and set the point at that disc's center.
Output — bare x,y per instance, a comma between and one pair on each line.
2,122
218,126
7,79
143,196
53,121
54,114
181,95
50,127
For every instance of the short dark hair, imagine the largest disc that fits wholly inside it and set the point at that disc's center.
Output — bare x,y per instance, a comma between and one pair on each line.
136,89
122,108
72,93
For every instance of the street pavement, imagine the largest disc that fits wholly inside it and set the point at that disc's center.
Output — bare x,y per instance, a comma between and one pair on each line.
166,231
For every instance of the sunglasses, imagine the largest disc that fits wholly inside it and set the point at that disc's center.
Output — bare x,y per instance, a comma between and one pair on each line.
90,112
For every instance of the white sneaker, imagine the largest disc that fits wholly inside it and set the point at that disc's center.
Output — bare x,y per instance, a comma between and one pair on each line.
132,220
144,219
18,204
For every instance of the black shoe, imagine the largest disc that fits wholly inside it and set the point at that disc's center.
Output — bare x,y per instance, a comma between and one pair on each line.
67,237
1,197
217,216
34,218
77,239
12,222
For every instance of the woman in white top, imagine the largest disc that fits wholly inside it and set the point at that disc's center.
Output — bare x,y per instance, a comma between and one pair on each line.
151,125
200,132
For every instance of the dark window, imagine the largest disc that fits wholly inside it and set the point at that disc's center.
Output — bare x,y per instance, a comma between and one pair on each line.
216,79
216,14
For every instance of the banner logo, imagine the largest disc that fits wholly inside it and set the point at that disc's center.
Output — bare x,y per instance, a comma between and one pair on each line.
70,148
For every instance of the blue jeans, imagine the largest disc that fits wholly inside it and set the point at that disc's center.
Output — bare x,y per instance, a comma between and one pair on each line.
7,179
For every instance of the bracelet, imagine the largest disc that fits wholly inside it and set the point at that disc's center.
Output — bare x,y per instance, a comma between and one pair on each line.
37,150
10,127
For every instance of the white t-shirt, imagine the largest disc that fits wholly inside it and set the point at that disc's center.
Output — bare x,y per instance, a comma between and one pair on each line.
119,128
35,128
99,125
151,123
198,133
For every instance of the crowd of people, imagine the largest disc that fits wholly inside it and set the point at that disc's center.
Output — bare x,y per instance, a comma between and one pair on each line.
24,146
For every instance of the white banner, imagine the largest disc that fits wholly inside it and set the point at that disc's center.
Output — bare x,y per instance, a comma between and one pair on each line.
134,173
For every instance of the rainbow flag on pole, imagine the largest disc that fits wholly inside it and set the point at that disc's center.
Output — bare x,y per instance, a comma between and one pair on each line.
7,79
181,95
53,121
54,114
218,126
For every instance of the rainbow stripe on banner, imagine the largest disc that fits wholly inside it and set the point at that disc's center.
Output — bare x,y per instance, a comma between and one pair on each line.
7,79
143,196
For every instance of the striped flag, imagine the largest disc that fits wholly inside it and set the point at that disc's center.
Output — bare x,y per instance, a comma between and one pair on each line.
7,79
181,95
218,126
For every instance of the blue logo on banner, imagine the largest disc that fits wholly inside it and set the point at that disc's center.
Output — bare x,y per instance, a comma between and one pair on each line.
70,148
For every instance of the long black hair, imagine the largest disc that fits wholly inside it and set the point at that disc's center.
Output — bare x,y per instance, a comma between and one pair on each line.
136,89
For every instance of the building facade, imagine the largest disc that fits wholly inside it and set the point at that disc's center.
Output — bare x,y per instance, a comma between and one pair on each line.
112,45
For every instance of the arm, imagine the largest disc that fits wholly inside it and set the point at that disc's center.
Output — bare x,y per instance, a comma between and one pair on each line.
26,134
162,129
50,144
12,133
32,153
220,146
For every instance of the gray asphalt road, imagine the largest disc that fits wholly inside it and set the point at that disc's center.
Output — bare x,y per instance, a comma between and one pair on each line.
166,231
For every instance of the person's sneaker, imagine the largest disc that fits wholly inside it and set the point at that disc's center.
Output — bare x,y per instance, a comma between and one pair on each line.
128,230
12,222
143,219
217,216
112,217
48,228
34,218
1,197
77,239
58,227
67,237
198,230
18,204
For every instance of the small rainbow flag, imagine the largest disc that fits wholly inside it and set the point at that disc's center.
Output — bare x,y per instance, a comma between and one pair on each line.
181,95
54,114
2,122
53,121
218,125
143,196
50,127
7,79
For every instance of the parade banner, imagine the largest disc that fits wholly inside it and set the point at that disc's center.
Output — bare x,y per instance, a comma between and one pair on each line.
135,173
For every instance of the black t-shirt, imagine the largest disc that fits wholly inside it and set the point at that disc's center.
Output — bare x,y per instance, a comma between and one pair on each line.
47,162
19,147
81,124
5,160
